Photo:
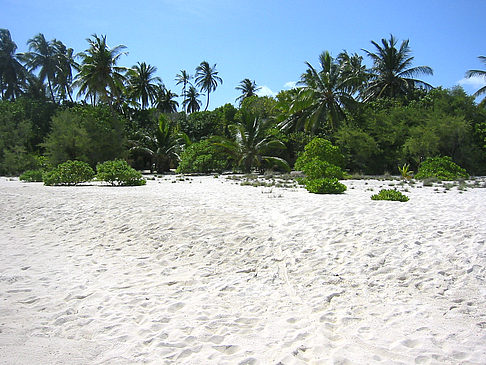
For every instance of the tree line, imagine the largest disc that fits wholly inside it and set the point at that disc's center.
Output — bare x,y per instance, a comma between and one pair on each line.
85,106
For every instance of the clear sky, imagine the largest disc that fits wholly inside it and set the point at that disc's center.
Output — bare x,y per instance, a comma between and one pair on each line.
264,40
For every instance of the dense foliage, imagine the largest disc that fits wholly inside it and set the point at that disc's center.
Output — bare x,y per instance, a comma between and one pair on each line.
69,173
325,186
371,119
118,172
390,194
442,168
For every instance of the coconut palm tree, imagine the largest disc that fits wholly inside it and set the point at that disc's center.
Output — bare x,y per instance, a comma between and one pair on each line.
248,88
482,74
252,145
12,72
183,78
323,97
143,84
64,70
392,72
99,77
164,100
191,102
43,55
353,70
207,79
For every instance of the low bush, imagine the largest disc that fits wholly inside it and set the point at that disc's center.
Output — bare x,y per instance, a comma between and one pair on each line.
324,186
318,169
69,173
390,194
118,172
32,175
442,168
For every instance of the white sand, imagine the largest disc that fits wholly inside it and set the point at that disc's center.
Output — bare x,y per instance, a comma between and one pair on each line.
209,272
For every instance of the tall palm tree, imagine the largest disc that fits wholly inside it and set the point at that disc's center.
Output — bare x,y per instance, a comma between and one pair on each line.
248,88
207,79
392,72
324,95
99,77
353,69
191,102
143,84
183,78
12,73
164,100
64,70
479,73
43,55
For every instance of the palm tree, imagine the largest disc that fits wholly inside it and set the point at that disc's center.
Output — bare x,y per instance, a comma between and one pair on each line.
64,70
99,77
324,95
161,146
207,79
164,100
392,72
252,145
479,73
143,83
183,78
191,102
43,54
248,88
353,70
12,73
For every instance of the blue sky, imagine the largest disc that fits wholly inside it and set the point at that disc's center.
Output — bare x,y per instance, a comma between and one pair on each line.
264,40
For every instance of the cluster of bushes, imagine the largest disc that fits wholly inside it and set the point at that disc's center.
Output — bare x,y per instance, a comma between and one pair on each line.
202,157
116,172
442,168
320,162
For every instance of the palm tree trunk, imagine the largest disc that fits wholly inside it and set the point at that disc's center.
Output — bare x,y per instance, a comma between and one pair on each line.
207,104
50,89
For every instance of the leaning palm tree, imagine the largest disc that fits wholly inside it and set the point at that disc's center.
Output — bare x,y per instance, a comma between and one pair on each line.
164,100
143,84
248,89
191,102
43,55
183,78
12,73
323,97
392,72
207,79
99,77
482,74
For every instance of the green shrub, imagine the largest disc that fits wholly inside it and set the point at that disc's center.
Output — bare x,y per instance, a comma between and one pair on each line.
390,194
118,172
442,168
32,176
202,157
69,173
318,169
320,149
325,186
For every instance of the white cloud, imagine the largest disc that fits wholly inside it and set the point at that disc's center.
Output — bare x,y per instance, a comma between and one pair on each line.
265,91
290,84
474,82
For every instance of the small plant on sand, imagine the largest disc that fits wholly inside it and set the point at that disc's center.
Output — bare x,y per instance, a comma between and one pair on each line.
325,186
390,194
405,171
32,176
442,168
69,173
118,172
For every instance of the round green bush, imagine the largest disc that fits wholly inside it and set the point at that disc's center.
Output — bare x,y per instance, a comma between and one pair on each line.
69,173
321,149
32,176
442,168
325,186
118,172
390,194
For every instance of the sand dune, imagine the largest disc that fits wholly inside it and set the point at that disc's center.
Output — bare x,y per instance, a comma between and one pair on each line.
205,271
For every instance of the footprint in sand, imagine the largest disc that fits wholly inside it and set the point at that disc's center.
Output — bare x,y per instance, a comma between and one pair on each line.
175,307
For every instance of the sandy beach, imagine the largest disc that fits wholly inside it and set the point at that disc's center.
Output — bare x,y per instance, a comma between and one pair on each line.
205,271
